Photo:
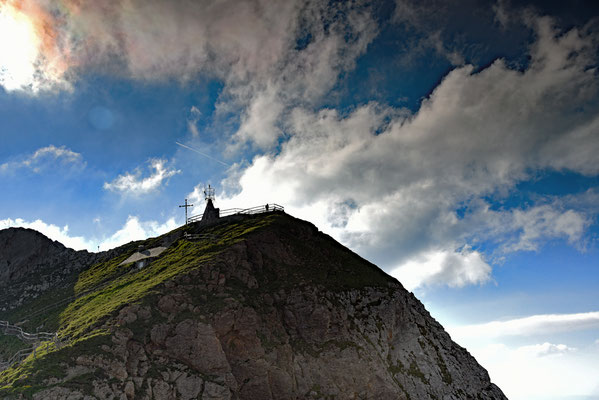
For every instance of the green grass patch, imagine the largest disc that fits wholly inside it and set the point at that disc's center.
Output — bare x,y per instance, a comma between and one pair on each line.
42,312
31,376
415,371
101,272
397,368
183,256
9,345
110,269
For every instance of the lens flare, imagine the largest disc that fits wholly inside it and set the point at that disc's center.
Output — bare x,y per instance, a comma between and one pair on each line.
30,56
18,48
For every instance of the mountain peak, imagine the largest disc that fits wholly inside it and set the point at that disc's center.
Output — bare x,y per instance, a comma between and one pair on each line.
251,307
23,251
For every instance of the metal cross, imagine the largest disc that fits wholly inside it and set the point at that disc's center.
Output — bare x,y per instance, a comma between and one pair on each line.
186,206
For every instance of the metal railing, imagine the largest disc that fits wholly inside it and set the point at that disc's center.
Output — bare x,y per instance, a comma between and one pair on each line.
200,236
36,338
30,338
237,211
17,358
17,331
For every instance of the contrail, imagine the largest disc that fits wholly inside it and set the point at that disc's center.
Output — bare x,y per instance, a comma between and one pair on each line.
204,154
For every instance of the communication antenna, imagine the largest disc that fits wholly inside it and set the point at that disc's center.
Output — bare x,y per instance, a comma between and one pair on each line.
209,193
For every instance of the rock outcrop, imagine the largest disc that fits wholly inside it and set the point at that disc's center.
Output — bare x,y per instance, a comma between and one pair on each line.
283,313
31,264
25,251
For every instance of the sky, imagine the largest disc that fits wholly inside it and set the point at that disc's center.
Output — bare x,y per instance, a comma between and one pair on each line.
454,144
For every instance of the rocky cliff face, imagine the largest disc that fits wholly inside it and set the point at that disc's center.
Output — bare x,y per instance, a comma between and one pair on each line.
265,308
31,264
25,251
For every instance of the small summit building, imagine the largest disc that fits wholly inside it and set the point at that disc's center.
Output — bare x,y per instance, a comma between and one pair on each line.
142,258
211,213
214,215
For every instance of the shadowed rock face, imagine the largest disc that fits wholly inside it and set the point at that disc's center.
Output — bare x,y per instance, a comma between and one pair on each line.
31,264
25,251
292,323
286,313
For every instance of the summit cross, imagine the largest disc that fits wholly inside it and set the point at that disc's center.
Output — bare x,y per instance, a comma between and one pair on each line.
186,206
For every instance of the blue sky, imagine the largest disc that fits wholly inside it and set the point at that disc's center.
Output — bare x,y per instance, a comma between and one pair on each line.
453,145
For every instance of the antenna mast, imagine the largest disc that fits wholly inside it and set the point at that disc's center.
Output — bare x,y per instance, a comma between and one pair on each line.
209,193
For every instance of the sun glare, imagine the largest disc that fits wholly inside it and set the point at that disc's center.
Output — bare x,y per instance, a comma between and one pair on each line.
19,48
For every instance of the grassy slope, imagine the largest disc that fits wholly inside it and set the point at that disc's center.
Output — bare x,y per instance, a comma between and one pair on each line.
30,319
107,287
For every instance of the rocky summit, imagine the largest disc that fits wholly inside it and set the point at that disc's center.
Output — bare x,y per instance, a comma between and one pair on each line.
248,307
30,264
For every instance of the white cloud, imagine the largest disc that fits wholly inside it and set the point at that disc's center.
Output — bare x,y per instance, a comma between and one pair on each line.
194,116
546,349
336,35
220,38
56,153
545,221
543,368
250,45
49,157
54,232
528,228
388,183
454,269
258,125
134,184
134,229
269,55
543,324
540,371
